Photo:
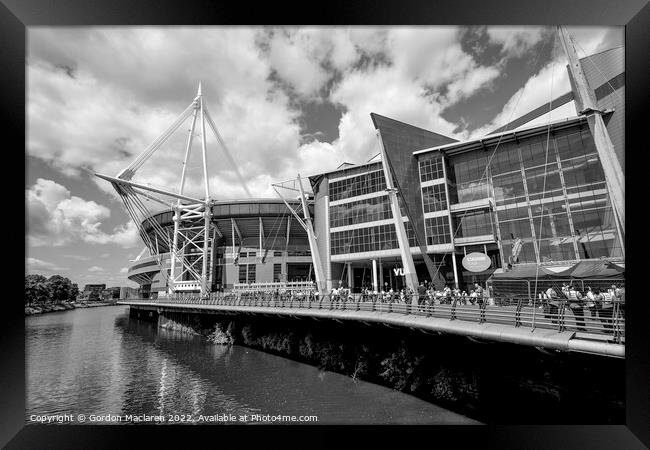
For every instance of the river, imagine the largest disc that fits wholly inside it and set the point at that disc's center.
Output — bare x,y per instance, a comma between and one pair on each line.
100,362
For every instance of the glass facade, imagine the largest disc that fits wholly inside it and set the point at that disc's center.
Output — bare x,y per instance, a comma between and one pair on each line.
555,201
366,183
473,223
547,191
380,237
467,173
277,273
368,210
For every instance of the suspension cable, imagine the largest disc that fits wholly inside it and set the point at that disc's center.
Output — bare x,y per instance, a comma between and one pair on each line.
541,202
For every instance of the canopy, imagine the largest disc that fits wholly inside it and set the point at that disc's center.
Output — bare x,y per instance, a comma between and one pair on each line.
593,269
524,272
583,269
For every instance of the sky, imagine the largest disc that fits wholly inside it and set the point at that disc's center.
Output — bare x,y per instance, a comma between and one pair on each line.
285,100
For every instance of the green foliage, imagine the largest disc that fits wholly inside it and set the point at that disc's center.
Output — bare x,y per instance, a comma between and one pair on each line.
55,289
60,288
36,289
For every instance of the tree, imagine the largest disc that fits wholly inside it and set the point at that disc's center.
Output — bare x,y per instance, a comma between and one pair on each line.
36,289
60,288
74,292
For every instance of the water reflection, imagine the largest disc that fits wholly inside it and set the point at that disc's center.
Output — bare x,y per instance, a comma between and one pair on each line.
99,361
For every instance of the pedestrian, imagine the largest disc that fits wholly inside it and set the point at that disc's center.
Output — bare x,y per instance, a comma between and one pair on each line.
552,308
606,309
577,307
422,291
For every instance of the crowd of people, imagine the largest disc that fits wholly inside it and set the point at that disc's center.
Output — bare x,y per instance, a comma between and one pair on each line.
426,294
601,303
604,305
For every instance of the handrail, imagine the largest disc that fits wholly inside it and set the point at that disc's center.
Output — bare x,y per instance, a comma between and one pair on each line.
520,311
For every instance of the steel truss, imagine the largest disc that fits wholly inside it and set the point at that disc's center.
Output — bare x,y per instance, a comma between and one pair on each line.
307,224
194,234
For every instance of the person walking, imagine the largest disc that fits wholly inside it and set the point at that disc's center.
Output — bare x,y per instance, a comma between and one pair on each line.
478,290
577,307
552,309
606,309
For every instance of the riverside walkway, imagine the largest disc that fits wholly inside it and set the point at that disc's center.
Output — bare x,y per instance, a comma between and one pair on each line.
515,320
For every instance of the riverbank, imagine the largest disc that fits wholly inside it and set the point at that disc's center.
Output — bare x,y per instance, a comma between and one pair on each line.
63,306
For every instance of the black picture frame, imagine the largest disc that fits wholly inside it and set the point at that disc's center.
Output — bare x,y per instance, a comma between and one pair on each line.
16,15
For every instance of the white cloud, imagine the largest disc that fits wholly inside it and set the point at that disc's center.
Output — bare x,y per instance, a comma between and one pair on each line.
78,257
38,265
124,270
57,218
124,86
96,269
549,83
515,41
295,57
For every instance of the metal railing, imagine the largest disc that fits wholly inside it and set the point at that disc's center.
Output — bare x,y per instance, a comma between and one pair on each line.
605,320
522,286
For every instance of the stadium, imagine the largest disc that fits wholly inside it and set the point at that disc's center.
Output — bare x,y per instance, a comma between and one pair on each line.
253,241
426,208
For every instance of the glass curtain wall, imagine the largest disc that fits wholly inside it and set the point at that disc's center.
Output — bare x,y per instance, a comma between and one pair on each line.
553,206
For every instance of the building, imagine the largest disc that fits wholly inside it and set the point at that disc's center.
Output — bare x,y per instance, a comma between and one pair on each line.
127,292
522,195
111,293
533,195
255,241
93,291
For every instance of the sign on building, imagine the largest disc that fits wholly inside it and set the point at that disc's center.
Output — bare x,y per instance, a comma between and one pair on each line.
476,262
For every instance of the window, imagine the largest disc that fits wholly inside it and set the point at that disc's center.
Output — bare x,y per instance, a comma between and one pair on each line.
242,273
358,185
431,167
506,159
251,273
582,171
513,211
508,187
276,253
368,210
277,273
381,237
514,229
437,230
476,223
556,250
434,198
543,179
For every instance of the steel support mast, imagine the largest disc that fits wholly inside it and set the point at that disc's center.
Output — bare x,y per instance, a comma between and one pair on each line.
410,276
192,236
587,106
313,245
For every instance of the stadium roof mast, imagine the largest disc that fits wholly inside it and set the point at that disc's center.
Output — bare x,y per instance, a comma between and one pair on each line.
307,224
193,237
587,106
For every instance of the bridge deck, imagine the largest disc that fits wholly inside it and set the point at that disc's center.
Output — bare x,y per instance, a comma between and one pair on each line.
519,325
